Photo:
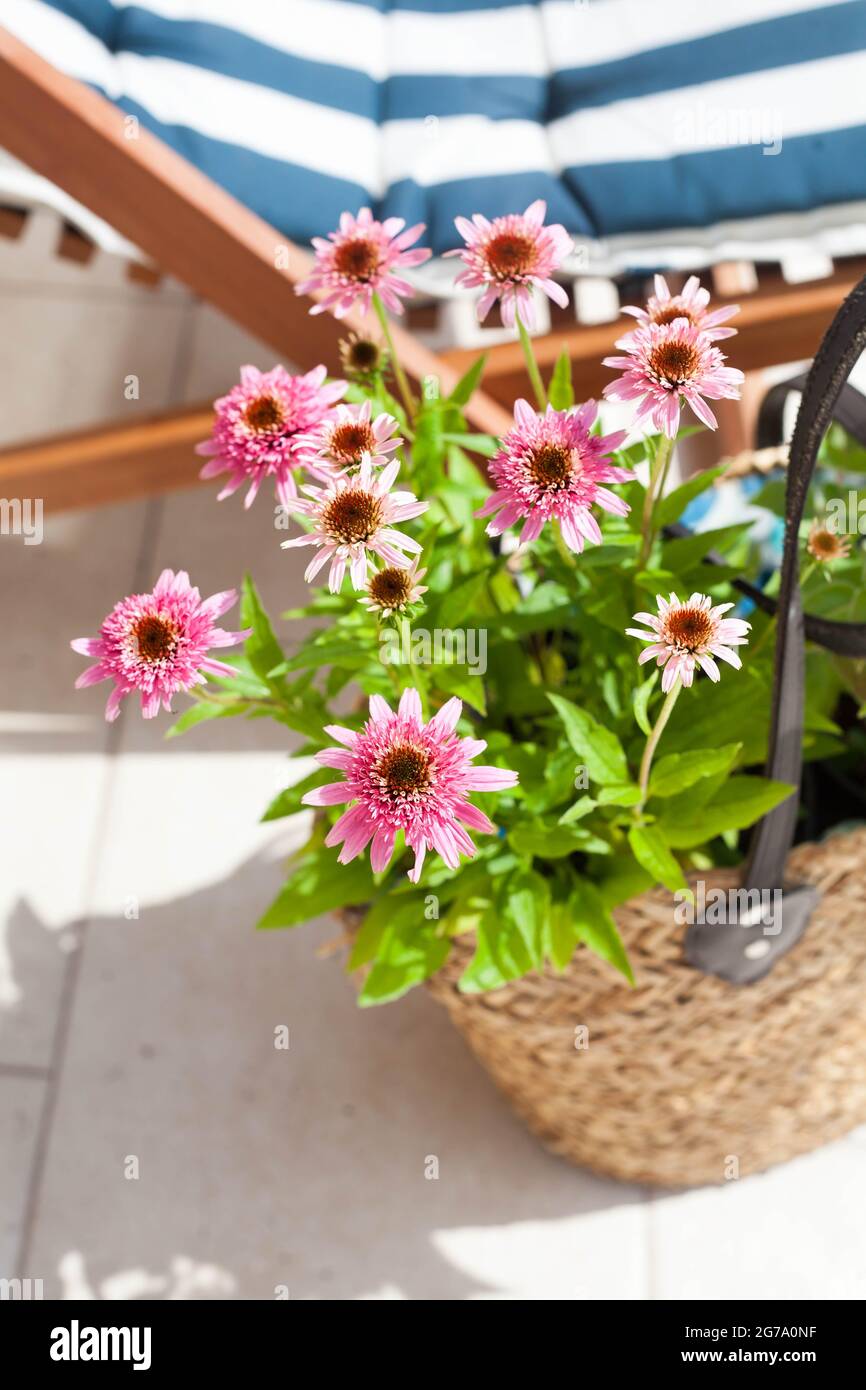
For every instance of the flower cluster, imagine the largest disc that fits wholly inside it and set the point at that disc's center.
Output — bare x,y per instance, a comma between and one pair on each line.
671,357
511,256
683,635
157,644
353,519
334,464
403,774
550,467
362,258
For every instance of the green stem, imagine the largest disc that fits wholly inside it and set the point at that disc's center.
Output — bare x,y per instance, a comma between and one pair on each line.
652,743
658,474
532,365
402,382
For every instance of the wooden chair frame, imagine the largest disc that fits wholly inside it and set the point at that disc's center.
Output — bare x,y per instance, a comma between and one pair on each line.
193,230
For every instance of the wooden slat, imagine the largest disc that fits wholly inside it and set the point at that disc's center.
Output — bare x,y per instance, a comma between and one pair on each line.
780,323
89,467
184,222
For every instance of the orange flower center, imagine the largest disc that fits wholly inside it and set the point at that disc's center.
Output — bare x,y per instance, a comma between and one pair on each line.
404,770
674,361
675,309
352,516
349,441
358,259
691,628
265,415
550,467
824,544
510,255
156,638
390,587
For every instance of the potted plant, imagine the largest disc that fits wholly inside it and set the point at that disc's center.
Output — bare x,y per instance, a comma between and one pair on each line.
557,714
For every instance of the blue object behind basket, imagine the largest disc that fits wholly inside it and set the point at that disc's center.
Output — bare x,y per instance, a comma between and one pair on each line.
630,118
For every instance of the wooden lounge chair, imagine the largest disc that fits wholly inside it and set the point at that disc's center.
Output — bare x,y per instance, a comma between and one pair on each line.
190,228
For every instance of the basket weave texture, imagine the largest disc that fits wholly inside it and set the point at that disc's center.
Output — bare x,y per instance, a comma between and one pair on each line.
685,1073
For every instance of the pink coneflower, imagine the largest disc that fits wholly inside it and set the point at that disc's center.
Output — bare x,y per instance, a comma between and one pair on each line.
351,432
509,256
682,634
691,303
825,544
551,467
360,260
669,363
264,428
353,519
393,590
157,643
406,775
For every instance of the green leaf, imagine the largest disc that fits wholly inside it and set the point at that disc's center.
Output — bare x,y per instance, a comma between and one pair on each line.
627,881
677,771
581,808
460,681
386,911
685,552
201,712
599,748
262,649
738,803
319,884
651,852
469,382
461,600
560,393
730,711
625,795
671,508
640,701
597,929
483,444
553,841
561,936
410,950
552,782
511,937
771,496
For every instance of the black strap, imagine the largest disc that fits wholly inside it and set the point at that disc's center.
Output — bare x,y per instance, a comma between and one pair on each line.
778,911
850,411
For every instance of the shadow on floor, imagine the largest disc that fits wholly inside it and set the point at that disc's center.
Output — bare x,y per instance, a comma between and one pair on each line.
302,1168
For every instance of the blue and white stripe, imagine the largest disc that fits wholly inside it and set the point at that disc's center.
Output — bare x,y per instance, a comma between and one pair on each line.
643,125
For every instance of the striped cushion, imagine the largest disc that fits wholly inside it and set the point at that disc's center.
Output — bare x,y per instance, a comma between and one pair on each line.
640,123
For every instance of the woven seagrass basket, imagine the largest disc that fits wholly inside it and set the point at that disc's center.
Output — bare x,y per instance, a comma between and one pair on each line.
686,1078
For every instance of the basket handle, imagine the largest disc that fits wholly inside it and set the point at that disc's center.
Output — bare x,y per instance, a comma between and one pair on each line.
748,949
